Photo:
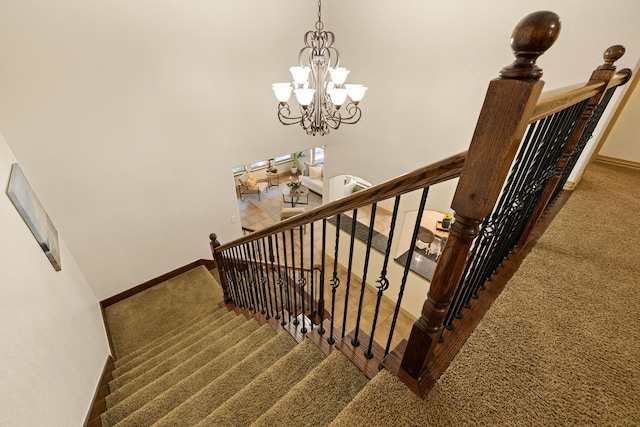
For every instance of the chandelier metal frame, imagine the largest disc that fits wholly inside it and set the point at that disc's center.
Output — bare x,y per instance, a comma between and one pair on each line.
323,96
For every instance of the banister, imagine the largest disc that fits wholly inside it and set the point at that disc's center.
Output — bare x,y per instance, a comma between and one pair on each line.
432,174
556,100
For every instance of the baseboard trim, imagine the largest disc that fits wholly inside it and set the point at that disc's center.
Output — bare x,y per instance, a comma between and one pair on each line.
98,404
209,264
617,162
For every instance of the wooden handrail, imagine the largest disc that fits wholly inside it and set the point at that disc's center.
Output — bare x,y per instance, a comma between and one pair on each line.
557,100
426,176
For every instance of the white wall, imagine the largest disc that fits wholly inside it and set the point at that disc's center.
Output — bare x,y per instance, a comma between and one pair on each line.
427,66
129,115
622,142
53,342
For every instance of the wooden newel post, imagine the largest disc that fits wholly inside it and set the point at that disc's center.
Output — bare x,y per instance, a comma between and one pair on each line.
604,73
217,257
508,105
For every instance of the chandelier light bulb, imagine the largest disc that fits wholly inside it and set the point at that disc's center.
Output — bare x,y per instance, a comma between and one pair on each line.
304,96
338,75
282,91
300,74
338,96
356,92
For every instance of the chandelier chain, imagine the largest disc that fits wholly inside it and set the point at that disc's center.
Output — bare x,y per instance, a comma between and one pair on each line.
319,24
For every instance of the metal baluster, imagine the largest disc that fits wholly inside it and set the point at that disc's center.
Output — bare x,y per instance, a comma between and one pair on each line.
265,279
280,282
230,280
355,342
403,283
293,279
383,282
480,262
243,276
302,281
273,280
587,134
286,274
334,282
321,329
257,274
250,279
349,268
312,278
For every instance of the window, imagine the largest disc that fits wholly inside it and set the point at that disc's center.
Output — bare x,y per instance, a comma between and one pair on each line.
282,159
259,164
238,169
318,155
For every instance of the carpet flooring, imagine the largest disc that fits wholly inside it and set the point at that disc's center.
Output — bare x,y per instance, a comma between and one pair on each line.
558,347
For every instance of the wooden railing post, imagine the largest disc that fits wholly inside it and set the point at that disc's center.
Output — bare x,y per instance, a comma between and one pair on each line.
604,73
508,105
217,257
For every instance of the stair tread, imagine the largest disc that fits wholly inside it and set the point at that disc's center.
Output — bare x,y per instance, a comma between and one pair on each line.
185,329
162,404
220,389
330,386
210,348
244,407
221,325
381,395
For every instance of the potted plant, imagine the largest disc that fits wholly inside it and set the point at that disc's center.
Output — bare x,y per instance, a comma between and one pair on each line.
294,185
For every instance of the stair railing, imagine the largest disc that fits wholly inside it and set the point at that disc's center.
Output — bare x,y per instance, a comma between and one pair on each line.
529,151
520,155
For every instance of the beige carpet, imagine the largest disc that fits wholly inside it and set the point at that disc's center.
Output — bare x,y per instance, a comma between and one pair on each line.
560,346
142,318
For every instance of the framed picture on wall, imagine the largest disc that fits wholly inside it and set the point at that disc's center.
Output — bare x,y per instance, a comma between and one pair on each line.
24,199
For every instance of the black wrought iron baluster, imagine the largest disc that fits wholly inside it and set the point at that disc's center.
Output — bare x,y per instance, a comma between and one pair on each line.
280,281
587,134
355,342
250,278
311,278
230,279
293,280
273,280
334,282
257,276
242,263
383,282
321,329
405,275
303,281
349,268
484,254
266,288
286,274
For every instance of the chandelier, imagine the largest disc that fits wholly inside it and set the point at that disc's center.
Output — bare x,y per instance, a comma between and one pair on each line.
325,101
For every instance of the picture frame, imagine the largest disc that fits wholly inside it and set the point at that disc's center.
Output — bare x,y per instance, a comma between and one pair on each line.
32,212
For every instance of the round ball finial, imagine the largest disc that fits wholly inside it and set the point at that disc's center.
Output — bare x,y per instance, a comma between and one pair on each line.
213,237
532,37
610,56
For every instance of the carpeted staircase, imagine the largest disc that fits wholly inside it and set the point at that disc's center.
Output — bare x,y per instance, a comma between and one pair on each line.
224,369
557,347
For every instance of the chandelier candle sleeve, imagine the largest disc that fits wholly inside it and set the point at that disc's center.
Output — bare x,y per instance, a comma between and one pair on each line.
319,86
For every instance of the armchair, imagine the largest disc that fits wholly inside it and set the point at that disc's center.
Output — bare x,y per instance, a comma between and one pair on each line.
250,185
